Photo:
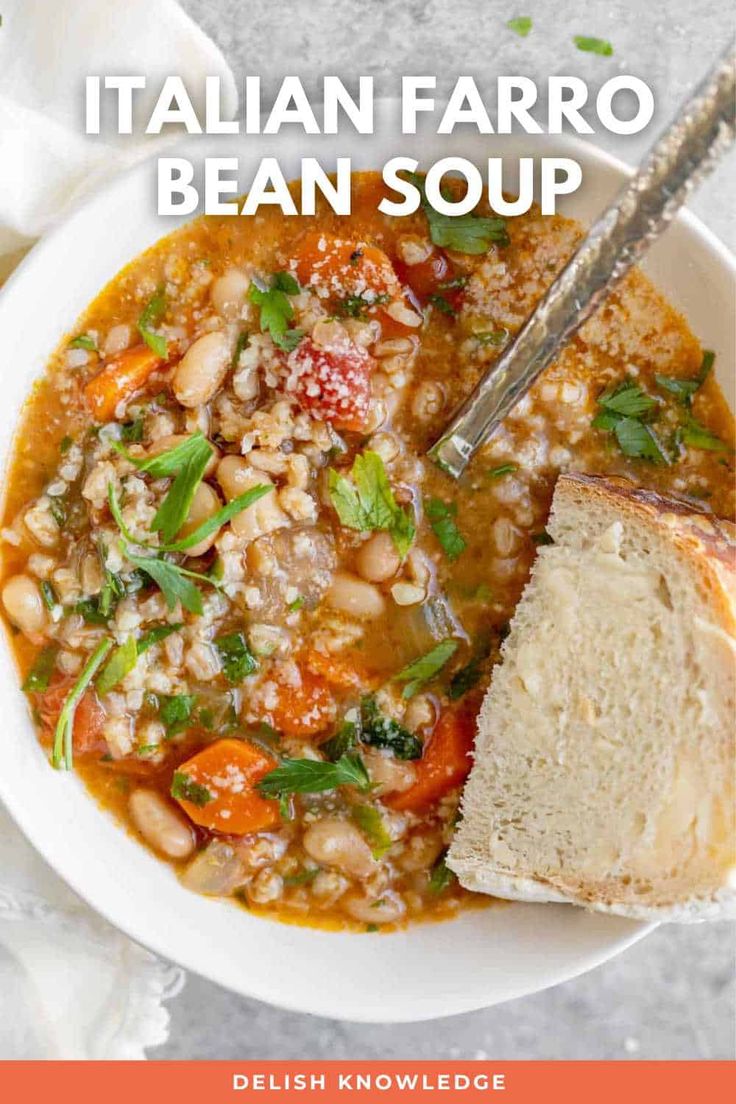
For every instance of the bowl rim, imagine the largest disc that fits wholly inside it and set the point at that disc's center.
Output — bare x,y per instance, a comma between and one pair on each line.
391,1008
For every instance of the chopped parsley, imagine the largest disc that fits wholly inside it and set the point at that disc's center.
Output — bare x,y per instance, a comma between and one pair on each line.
380,731
235,656
422,670
276,311
156,635
240,345
84,341
343,741
314,776
685,388
303,877
373,827
521,25
132,431
151,316
65,444
469,233
593,45
492,337
441,877
622,411
501,470
357,306
175,711
185,788
296,604
48,594
121,663
698,436
441,516
38,678
442,304
367,503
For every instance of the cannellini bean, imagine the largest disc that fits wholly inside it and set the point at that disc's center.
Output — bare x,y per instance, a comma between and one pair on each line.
506,536
117,340
388,775
421,850
420,713
205,504
216,871
428,400
386,909
352,595
236,476
408,594
160,824
171,440
228,293
24,605
200,372
340,844
377,559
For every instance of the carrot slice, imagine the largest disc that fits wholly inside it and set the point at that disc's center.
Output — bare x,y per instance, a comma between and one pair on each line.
446,761
346,267
303,707
119,380
216,788
344,672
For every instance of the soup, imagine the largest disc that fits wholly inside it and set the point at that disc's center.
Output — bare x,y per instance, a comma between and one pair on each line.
247,610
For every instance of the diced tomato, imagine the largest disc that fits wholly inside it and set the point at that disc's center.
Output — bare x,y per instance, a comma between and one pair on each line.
304,706
220,783
446,761
332,384
344,268
89,716
432,277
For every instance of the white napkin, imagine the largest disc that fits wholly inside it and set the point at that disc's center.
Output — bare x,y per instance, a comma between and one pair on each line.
70,985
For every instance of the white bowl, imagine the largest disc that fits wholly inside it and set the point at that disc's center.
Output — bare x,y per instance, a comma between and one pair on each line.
484,956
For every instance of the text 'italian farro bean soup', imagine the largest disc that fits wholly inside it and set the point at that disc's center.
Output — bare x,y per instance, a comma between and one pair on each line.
247,610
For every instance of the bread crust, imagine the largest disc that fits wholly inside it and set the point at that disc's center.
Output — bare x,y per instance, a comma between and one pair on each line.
708,546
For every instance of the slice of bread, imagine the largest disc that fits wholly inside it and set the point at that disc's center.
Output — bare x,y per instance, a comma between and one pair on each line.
604,762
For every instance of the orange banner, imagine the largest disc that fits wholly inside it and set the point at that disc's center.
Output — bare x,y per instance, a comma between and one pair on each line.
385,1082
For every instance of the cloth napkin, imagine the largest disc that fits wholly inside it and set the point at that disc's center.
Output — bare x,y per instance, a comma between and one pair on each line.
71,986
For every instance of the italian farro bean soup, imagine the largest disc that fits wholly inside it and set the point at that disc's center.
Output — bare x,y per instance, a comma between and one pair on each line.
246,609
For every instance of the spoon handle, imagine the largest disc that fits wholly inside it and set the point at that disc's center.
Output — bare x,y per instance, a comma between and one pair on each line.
643,209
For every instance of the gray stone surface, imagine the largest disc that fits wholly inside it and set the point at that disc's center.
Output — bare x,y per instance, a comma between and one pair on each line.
672,995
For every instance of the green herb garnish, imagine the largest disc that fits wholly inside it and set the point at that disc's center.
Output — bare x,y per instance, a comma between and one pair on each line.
343,741
57,509
380,731
368,502
175,711
441,516
492,337
132,431
441,877
152,313
155,636
422,670
442,304
186,789
240,345
314,776
622,410
296,604
84,341
685,388
48,594
593,45
521,25
276,311
470,233
304,877
38,678
372,825
698,436
173,581
235,656
121,663
357,306
502,469
63,752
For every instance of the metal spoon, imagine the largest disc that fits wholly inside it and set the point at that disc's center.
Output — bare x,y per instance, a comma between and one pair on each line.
644,208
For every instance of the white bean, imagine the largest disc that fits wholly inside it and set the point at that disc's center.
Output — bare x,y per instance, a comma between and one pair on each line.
377,559
352,595
201,370
117,340
339,844
228,293
24,605
384,910
205,504
236,476
388,775
160,825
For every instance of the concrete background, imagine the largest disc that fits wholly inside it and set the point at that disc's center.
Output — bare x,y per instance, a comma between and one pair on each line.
671,996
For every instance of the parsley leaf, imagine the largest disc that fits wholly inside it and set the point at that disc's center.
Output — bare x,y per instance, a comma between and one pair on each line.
464,233
235,656
175,711
48,594
186,789
62,753
372,825
168,463
121,662
698,436
622,408
155,636
276,311
357,306
593,45
441,516
368,502
173,581
152,313
211,524
84,341
383,732
626,399
314,776
638,440
173,511
426,667
39,676
502,469
344,740
441,877
684,388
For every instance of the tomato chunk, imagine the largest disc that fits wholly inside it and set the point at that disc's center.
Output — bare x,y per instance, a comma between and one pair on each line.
333,384
216,788
89,716
304,706
432,279
446,761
